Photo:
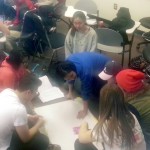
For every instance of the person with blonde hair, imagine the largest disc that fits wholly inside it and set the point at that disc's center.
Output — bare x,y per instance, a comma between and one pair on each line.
117,128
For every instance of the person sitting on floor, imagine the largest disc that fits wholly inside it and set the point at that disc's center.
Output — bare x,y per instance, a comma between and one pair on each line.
11,70
85,66
137,93
117,127
80,37
14,118
112,68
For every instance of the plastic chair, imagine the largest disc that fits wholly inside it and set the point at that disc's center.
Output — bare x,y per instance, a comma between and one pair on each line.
145,22
111,41
53,41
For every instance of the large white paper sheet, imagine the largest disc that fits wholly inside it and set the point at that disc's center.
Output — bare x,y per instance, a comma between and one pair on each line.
47,91
61,118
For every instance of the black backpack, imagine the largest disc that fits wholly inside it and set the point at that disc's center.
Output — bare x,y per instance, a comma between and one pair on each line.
122,22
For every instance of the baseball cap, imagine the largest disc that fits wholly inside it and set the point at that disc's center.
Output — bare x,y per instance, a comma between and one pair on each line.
111,69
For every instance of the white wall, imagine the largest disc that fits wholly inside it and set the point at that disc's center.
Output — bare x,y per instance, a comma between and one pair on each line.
138,8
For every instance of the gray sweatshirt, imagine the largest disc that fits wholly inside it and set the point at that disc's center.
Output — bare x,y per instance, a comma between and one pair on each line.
80,42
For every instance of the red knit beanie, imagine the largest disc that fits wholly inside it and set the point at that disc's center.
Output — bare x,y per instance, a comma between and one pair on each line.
130,80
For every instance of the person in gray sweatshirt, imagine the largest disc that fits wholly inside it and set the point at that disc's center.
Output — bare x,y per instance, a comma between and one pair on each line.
80,37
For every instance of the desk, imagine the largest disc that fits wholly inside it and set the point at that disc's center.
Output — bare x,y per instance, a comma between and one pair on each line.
71,10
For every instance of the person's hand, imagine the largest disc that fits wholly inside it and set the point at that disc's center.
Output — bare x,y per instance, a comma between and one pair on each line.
69,96
33,118
82,114
7,22
36,5
40,121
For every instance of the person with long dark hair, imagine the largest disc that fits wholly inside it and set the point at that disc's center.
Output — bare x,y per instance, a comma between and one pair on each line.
80,37
117,128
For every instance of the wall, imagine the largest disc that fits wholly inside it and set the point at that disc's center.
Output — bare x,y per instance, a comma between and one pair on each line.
138,8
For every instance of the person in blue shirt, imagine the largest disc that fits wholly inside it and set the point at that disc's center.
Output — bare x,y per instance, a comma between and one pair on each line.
85,66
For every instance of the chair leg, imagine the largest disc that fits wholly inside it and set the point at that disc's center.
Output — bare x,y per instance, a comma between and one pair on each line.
129,57
50,61
130,47
122,62
130,53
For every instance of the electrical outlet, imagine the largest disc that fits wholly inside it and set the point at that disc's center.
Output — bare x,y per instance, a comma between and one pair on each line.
115,6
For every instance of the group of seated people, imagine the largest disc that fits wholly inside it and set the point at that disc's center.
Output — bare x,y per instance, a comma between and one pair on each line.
121,97
24,23
14,10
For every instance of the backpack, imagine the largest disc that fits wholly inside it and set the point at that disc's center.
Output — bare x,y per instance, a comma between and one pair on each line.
138,63
122,22
142,62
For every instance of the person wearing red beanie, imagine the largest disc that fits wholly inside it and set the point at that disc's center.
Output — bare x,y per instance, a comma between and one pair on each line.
130,80
137,93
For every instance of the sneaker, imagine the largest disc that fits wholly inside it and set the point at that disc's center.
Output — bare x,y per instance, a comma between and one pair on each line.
53,147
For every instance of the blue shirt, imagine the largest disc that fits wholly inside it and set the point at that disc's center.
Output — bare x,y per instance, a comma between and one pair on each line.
88,65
